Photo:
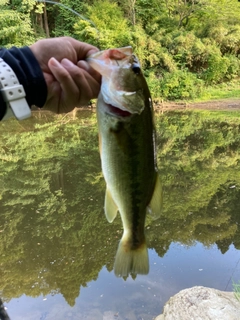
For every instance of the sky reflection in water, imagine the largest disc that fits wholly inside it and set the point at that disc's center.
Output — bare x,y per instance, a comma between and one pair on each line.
58,249
180,268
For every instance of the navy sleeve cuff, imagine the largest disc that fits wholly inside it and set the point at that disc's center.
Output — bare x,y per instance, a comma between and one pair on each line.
29,74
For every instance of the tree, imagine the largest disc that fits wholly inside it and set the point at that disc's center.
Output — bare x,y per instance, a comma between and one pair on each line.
15,27
64,17
111,28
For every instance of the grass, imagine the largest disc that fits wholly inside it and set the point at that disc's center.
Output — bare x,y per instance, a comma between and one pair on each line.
228,90
236,289
222,115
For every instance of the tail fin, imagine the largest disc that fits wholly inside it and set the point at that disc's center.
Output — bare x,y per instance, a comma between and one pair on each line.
129,260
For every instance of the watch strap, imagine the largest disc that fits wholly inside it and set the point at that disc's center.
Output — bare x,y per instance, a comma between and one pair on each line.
13,93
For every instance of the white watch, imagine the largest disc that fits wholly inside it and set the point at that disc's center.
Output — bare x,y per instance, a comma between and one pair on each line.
13,93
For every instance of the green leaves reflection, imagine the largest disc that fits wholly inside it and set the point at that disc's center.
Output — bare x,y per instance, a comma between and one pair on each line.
199,166
54,236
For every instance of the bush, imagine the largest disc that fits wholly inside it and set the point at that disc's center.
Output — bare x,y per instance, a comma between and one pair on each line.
227,38
188,51
154,84
180,85
217,69
231,42
15,29
233,68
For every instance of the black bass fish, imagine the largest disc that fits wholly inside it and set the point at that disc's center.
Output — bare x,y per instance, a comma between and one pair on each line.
128,153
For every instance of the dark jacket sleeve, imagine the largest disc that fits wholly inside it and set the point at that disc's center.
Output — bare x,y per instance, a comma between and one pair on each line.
29,74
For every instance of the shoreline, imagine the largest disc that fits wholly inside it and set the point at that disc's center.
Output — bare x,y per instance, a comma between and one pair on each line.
232,104
223,104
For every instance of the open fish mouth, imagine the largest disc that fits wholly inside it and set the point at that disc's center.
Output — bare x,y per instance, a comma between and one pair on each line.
118,112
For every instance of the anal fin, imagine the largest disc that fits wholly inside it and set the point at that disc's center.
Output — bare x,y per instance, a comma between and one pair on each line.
156,203
110,207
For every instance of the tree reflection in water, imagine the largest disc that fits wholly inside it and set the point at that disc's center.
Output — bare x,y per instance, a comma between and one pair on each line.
54,235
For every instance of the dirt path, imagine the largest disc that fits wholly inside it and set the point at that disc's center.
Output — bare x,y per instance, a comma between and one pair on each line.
226,104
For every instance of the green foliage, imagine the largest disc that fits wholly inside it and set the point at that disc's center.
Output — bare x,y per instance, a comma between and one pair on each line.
15,28
217,69
221,68
224,11
154,84
233,67
148,15
65,19
180,85
3,3
231,41
30,5
148,50
190,40
112,29
236,288
224,90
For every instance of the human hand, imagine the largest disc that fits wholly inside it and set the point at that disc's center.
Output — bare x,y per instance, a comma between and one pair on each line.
71,82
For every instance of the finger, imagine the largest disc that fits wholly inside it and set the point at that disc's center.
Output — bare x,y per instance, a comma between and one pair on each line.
86,66
70,93
88,85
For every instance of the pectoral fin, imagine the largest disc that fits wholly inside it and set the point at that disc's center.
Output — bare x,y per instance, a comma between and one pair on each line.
155,205
110,207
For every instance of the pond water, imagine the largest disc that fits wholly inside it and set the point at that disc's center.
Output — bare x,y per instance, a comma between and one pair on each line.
57,249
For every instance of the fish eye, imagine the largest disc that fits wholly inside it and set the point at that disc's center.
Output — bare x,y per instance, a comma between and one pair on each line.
136,69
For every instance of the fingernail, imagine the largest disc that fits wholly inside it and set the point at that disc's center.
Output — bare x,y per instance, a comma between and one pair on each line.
84,65
66,63
54,62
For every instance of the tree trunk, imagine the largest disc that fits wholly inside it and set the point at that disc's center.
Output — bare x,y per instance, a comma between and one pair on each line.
46,21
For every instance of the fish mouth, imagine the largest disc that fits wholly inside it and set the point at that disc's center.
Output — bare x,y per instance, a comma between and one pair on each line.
118,112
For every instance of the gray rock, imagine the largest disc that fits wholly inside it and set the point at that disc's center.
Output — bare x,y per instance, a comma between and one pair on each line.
201,303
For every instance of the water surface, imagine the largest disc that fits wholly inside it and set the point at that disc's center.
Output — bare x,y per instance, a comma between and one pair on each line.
57,249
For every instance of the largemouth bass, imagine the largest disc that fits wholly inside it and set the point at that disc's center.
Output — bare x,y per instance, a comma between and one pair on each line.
128,153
